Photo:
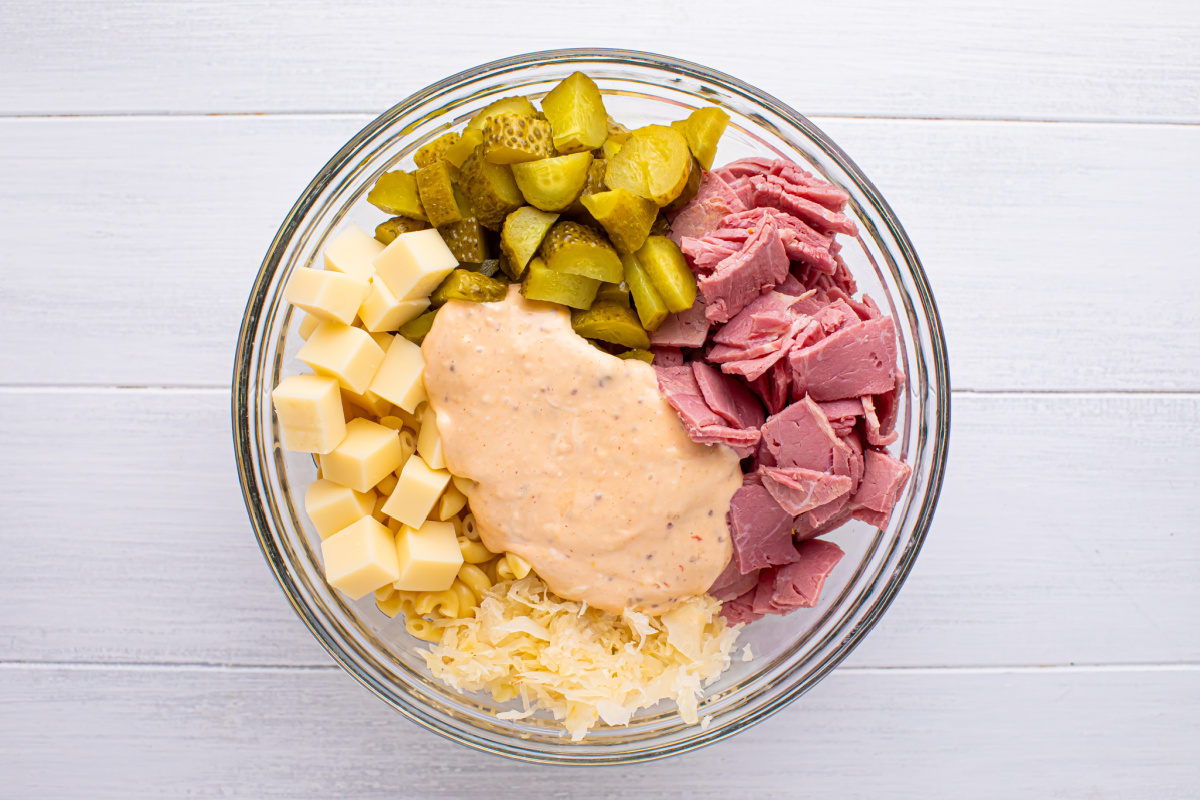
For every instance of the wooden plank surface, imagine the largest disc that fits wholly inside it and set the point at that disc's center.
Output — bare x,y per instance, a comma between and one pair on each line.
1074,59
268,733
138,239
137,490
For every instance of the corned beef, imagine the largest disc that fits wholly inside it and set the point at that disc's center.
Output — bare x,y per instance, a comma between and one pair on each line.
799,584
767,316
760,529
800,436
854,361
714,200
731,583
729,399
813,214
884,478
678,385
667,356
842,414
685,329
799,490
745,275
808,185
874,435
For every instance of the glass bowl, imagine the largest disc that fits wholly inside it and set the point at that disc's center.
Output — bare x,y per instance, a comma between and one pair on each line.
791,653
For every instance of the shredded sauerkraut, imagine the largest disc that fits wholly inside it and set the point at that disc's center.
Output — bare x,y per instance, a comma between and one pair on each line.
581,664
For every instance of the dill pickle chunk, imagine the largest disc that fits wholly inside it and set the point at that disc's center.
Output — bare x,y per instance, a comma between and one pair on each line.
611,322
617,132
610,148
614,292
396,193
552,184
466,240
669,272
512,139
703,130
576,112
489,267
435,150
690,189
524,231
437,194
655,164
473,287
639,354
457,153
507,105
415,330
660,227
543,283
650,307
625,216
388,230
490,189
580,250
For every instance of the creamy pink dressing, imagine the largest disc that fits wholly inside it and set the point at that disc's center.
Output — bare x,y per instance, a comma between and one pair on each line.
582,468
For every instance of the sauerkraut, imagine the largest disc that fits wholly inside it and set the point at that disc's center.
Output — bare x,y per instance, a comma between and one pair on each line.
581,664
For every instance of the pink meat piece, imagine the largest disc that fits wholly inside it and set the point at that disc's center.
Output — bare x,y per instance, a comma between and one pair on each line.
759,348
772,388
761,604
772,306
679,387
811,302
703,255
802,329
809,186
731,583
865,310
854,442
742,442
887,405
842,414
820,516
745,275
808,528
799,490
800,241
813,214
760,529
884,478
703,212
801,436
740,609
874,435
729,399
851,362
667,356
799,584
835,316
842,277
792,286
685,329
746,167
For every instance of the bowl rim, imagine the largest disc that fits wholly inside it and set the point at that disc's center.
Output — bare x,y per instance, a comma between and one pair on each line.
939,383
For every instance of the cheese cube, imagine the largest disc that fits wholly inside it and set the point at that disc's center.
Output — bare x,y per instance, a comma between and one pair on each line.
325,294
309,409
367,401
332,506
417,490
464,485
368,452
381,311
387,484
401,376
360,558
348,354
415,263
429,442
451,502
429,557
307,326
352,253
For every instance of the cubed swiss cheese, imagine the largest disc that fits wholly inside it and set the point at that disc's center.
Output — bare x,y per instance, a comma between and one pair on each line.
307,325
401,377
353,252
429,557
309,409
368,452
450,503
429,441
368,401
381,311
416,491
360,558
331,506
348,354
327,295
415,263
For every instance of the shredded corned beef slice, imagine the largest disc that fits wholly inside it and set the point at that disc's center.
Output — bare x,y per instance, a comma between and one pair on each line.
714,200
685,329
815,215
746,274
678,385
854,361
733,582
667,356
842,414
760,529
875,436
798,490
800,241
884,478
731,401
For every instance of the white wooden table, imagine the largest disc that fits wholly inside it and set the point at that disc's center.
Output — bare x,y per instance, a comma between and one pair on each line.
1045,158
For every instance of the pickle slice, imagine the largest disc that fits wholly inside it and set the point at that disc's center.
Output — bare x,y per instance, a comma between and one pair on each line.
655,164
617,132
507,105
610,148
649,303
415,330
490,189
396,193
437,194
614,293
594,185
668,271
576,112
639,354
466,240
474,287
524,230
610,322
457,153
543,283
660,227
703,129
690,189
625,216
579,250
435,150
552,184
489,267
388,230
513,139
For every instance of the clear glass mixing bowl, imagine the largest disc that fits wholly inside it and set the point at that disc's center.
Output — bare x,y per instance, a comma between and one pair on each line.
790,653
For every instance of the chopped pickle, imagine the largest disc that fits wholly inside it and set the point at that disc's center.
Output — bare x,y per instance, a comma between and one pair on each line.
660,227
435,150
610,322
466,240
594,185
416,329
552,184
396,193
576,112
543,283
668,271
457,153
617,132
490,189
579,250
437,194
614,292
655,164
462,284
689,190
512,139
649,303
507,268
524,230
639,354
507,105
703,130
388,230
625,216
488,267
610,148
